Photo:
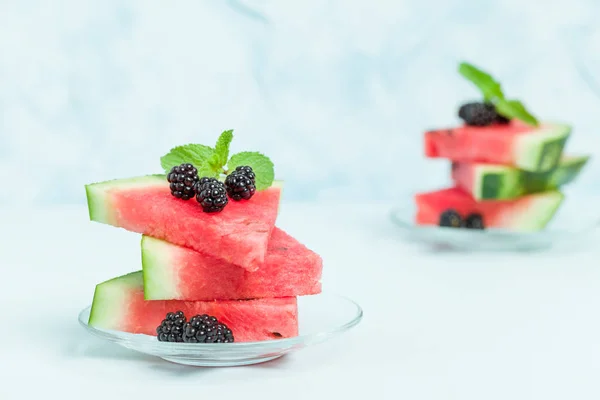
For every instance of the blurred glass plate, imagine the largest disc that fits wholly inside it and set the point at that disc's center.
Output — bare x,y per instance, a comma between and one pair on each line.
320,317
569,225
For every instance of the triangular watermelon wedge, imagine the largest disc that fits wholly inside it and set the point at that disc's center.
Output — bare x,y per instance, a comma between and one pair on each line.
173,272
535,149
119,305
238,235
530,213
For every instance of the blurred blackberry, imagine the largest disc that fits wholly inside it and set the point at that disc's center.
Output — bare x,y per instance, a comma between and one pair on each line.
501,119
206,329
241,183
171,328
452,219
211,194
478,114
183,179
474,221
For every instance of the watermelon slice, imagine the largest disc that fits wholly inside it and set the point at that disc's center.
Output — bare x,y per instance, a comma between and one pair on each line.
238,235
174,272
526,214
501,182
535,149
119,305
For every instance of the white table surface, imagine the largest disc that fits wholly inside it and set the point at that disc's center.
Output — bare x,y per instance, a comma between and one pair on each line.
436,325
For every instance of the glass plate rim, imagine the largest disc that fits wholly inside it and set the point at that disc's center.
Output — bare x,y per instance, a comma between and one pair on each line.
121,336
396,212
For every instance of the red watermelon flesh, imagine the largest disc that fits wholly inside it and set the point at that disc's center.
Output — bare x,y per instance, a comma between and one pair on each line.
516,144
238,235
526,213
119,305
175,272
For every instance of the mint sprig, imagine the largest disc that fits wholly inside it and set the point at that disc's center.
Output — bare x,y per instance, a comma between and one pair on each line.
214,162
492,92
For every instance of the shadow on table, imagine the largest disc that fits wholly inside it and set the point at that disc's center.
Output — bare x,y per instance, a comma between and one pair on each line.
73,342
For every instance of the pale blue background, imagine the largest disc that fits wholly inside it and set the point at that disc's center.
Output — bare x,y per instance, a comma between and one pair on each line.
337,93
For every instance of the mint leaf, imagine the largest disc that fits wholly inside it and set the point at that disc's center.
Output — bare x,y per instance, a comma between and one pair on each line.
488,86
219,158
196,154
260,164
206,170
221,153
514,109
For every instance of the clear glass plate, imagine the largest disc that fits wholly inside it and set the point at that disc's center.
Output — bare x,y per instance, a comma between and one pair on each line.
321,317
568,226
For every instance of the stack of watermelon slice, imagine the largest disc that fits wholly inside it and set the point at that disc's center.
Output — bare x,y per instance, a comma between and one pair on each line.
235,265
507,168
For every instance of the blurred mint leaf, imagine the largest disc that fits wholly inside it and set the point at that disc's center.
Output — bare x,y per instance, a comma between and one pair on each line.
492,91
196,154
514,109
261,165
488,86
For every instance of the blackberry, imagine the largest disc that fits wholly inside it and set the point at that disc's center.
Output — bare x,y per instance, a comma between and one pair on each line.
478,114
211,195
501,119
206,329
474,221
183,179
241,183
451,218
171,328
246,170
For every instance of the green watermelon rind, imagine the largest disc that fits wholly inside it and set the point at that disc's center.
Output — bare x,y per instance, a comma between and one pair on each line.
160,282
541,210
541,150
570,167
496,182
500,182
108,299
99,206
